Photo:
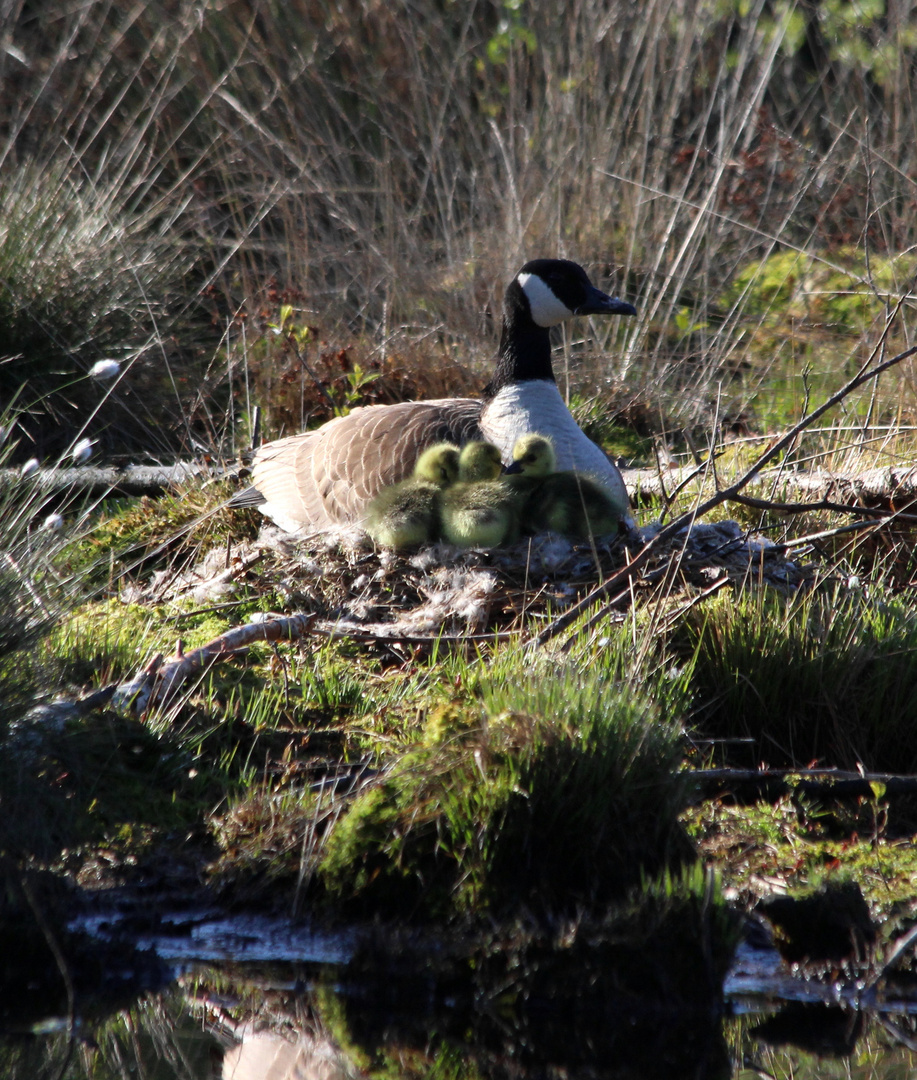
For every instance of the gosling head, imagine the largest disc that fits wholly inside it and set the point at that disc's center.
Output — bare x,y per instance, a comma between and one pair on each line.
479,461
533,456
438,465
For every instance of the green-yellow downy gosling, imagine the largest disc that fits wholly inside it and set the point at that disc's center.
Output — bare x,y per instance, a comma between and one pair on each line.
408,514
567,502
478,511
533,460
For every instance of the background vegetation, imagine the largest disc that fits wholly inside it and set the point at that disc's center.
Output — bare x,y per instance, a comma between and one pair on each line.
312,205
743,173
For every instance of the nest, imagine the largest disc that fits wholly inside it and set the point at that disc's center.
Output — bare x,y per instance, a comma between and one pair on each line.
353,588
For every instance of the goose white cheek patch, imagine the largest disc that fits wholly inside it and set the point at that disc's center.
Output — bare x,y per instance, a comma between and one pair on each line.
546,309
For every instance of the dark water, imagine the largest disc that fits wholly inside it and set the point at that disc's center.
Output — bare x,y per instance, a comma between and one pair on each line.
259,999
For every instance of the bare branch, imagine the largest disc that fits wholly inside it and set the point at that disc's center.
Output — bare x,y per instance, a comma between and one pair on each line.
616,581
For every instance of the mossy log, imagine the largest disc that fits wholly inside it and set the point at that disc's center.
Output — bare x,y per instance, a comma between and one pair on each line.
752,785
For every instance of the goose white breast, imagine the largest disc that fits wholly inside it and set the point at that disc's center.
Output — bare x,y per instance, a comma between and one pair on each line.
538,406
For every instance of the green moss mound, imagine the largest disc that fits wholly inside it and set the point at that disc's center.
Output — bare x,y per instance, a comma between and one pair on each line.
561,797
850,292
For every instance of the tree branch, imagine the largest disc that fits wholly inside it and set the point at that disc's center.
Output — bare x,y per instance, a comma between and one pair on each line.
615,582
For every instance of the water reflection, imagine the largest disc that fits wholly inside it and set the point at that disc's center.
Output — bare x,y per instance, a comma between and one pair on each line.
265,1055
293,1022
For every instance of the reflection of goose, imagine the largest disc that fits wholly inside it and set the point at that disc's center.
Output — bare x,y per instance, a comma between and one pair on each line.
567,502
264,1055
408,514
328,476
478,510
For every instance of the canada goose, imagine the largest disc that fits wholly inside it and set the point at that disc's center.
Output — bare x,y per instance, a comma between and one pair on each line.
327,477
407,514
478,511
567,502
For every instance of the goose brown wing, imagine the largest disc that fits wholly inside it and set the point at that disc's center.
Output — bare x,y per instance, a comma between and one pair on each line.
327,476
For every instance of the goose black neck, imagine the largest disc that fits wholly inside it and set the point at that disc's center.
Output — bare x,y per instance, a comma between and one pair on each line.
525,347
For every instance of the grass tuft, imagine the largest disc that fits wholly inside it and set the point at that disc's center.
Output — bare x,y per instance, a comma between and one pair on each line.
561,797
83,275
829,677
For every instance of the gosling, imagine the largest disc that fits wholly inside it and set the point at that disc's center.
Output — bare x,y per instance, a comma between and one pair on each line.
533,461
409,514
568,502
479,511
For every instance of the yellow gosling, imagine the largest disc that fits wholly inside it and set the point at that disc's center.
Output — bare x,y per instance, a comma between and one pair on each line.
408,514
567,502
479,510
533,460
577,506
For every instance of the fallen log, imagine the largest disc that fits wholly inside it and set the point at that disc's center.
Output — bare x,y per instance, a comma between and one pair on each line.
132,480
871,488
768,785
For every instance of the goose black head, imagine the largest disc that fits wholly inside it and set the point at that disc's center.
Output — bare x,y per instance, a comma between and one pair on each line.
544,293
558,289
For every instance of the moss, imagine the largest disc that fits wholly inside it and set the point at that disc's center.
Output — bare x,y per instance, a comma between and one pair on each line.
563,800
126,535
794,285
763,845
769,286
